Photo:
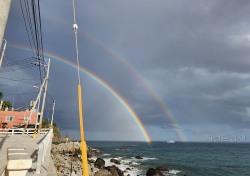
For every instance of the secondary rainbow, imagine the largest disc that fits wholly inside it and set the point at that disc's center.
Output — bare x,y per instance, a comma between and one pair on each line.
111,90
169,115
146,84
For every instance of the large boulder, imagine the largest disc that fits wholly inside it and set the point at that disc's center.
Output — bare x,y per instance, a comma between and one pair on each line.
91,161
115,161
153,172
113,169
138,157
99,163
103,173
162,169
93,152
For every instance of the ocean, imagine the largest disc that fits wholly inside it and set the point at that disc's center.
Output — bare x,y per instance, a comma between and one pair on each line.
189,159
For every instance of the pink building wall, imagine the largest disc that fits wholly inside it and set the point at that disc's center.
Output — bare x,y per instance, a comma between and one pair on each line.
18,118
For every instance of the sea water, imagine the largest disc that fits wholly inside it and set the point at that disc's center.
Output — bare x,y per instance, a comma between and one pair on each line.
189,159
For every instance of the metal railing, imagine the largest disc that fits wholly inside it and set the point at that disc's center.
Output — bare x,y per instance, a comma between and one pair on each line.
21,131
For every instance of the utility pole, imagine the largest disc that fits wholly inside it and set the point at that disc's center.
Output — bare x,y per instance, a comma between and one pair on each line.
44,94
35,104
4,13
3,51
52,118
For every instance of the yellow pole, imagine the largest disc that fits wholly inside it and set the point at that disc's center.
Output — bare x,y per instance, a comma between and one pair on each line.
85,168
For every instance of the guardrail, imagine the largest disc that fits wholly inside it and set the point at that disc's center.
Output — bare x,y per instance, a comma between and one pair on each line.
44,150
21,131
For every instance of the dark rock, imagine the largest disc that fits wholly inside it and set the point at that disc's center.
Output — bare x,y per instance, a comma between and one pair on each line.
128,168
138,157
162,169
103,173
99,163
115,161
93,152
91,161
113,171
153,172
120,172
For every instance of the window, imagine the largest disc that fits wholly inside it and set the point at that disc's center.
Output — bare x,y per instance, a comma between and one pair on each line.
9,118
26,119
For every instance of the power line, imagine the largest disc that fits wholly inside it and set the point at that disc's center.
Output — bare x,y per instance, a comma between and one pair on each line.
22,64
17,62
26,26
27,93
40,25
50,96
32,17
17,80
36,35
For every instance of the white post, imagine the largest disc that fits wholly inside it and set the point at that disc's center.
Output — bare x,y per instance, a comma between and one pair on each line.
4,13
52,118
37,98
3,51
44,95
1,105
37,111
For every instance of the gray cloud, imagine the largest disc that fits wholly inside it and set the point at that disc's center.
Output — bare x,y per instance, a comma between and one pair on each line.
193,53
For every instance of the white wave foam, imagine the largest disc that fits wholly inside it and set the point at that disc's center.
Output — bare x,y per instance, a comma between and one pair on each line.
125,163
146,158
171,172
106,154
174,172
120,149
136,162
118,158
131,161
133,164
93,157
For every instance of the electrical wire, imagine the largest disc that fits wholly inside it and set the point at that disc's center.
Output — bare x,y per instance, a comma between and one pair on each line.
17,62
26,27
31,14
32,18
40,26
26,93
36,36
17,80
50,96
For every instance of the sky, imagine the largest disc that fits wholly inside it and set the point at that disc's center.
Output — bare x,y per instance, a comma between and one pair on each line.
183,67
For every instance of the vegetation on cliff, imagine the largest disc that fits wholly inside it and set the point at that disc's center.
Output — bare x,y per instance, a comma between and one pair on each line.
6,103
56,130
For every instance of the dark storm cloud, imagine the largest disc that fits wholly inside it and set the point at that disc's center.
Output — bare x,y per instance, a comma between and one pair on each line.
175,34
195,54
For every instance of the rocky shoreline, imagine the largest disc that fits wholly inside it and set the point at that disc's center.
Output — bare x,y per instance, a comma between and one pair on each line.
68,162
